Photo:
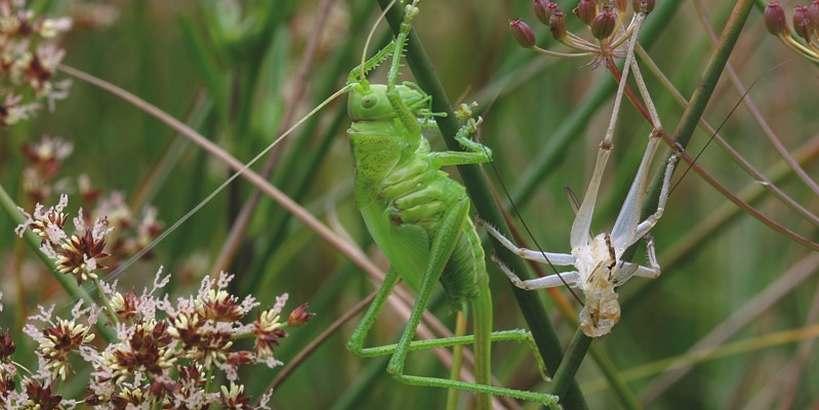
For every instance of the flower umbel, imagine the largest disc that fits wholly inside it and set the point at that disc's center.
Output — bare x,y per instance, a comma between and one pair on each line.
79,254
29,57
169,355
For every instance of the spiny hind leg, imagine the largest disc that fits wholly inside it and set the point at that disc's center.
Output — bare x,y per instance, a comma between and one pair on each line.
441,249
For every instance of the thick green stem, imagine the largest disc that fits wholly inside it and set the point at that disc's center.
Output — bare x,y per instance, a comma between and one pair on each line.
478,188
699,101
571,362
66,281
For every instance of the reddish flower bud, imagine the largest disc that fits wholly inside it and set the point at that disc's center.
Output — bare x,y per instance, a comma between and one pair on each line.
6,346
300,315
644,6
543,9
586,10
523,33
775,18
813,13
603,24
557,24
802,22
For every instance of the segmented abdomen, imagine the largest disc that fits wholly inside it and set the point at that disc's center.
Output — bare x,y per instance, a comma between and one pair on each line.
416,193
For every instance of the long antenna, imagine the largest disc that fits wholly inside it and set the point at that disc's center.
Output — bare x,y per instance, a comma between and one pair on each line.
133,259
530,234
518,215
722,124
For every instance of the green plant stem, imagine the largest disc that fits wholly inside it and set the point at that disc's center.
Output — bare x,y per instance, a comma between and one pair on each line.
571,362
613,377
698,102
533,311
105,302
66,281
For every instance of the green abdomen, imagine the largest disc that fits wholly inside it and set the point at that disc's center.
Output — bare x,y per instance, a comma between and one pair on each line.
388,174
466,270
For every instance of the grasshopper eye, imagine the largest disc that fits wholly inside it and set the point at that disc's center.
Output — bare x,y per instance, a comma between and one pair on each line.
369,101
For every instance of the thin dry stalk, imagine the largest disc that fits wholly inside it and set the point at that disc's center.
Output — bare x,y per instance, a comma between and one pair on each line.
742,90
797,365
741,161
293,102
785,382
345,248
711,180
743,316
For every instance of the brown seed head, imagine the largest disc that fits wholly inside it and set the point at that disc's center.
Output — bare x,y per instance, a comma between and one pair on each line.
300,315
543,9
813,13
644,6
7,346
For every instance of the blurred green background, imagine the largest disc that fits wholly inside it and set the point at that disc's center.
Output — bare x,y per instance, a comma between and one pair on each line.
232,77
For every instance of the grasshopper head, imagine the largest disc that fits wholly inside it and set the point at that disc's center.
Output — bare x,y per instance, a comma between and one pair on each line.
369,102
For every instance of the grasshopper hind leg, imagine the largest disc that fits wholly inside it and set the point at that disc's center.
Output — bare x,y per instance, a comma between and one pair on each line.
441,251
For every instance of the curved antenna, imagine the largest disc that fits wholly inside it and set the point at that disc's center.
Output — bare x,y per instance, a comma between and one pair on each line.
133,259
184,129
519,216
370,37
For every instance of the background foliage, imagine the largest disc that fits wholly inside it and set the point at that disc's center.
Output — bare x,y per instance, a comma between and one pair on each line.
168,53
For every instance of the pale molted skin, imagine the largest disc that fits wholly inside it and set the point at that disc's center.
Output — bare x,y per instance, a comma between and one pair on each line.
599,268
597,260
596,270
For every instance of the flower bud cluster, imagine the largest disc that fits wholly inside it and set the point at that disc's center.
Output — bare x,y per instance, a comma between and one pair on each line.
805,23
604,20
29,56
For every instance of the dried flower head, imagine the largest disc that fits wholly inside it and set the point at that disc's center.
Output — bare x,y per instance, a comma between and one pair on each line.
813,13
557,24
300,315
7,346
29,57
86,252
171,355
644,6
58,338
